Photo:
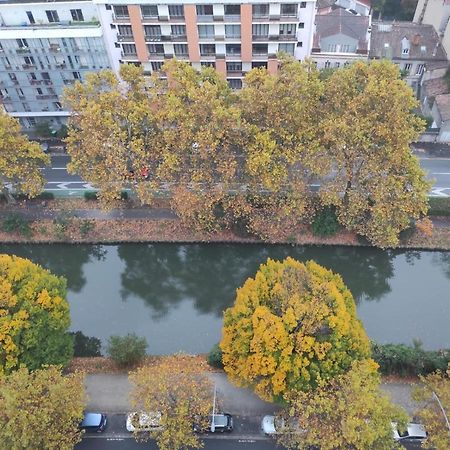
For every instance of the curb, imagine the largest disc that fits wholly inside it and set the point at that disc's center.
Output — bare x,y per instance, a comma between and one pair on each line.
222,436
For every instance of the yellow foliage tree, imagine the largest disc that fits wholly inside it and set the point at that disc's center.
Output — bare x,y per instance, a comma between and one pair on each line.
374,181
41,409
434,394
20,159
179,389
346,412
34,316
291,327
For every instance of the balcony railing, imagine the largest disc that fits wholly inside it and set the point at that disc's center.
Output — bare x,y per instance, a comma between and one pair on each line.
131,56
61,24
287,37
46,96
28,66
22,50
178,37
153,38
125,38
232,18
260,37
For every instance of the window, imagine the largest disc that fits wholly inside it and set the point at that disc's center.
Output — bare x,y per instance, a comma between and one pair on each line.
180,49
235,83
289,10
52,15
19,92
30,17
29,60
129,49
155,49
337,64
77,15
121,11
405,51
419,69
125,30
260,30
288,29
51,91
12,76
260,49
332,48
204,10
258,64
26,107
149,11
300,44
234,67
233,31
176,11
153,32
301,25
327,64
31,120
207,49
206,31
76,75
232,10
22,43
45,75
156,65
407,67
286,48
302,4
260,10
57,106
178,30
208,64
39,91
233,49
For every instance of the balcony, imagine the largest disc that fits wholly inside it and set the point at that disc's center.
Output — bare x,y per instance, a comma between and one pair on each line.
55,48
48,82
61,66
28,66
260,37
23,50
61,24
232,18
153,38
205,18
178,37
287,37
69,81
46,96
122,38
129,56
121,19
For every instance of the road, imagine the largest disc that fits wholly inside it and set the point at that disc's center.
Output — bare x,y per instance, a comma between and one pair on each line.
437,169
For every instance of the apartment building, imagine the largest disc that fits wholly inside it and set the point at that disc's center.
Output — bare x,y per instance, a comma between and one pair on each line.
233,37
45,46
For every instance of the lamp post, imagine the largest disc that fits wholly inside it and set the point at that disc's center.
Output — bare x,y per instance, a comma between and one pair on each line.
213,425
442,409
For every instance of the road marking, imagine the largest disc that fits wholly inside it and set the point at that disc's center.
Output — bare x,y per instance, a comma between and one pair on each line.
440,173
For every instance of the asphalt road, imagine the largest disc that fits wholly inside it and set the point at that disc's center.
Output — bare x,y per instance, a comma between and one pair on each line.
437,169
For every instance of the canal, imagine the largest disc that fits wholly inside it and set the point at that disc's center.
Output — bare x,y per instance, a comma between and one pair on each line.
174,294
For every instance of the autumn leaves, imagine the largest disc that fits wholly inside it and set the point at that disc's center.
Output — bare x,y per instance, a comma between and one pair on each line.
251,157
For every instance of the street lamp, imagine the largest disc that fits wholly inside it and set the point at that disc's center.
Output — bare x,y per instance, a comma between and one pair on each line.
442,409
213,425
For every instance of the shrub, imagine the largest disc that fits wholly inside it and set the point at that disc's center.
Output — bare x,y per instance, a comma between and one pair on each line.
401,359
325,222
86,226
85,346
215,357
439,206
15,222
62,223
90,195
124,195
126,350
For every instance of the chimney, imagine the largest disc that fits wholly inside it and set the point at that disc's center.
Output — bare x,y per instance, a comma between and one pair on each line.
416,39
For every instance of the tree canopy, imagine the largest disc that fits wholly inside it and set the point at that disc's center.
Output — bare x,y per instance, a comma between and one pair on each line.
435,388
291,327
34,316
20,159
346,412
41,409
178,388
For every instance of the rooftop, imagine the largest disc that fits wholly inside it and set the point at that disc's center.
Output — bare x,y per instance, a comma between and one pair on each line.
423,41
443,104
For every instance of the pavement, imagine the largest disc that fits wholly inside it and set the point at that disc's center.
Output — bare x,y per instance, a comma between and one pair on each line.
109,393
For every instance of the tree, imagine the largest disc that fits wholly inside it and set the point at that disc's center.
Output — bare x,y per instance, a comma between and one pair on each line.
41,409
291,327
20,159
435,389
34,316
346,412
375,182
127,350
112,131
281,149
179,389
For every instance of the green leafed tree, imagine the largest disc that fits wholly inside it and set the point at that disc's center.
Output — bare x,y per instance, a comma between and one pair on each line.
346,412
375,182
178,390
20,159
41,409
291,327
434,395
34,316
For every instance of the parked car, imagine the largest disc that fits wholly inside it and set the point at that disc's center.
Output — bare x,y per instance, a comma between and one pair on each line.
144,421
414,432
222,423
93,422
272,425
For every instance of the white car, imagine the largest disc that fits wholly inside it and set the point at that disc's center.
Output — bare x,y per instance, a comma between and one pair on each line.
272,425
414,432
144,421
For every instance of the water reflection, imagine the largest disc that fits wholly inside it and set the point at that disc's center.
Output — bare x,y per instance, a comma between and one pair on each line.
60,259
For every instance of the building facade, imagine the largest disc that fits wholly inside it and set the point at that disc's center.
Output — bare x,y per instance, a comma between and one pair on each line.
233,37
45,47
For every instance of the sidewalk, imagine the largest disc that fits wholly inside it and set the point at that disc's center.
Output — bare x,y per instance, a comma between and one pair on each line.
110,393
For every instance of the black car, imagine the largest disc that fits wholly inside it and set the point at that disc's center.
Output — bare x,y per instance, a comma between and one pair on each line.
222,423
93,422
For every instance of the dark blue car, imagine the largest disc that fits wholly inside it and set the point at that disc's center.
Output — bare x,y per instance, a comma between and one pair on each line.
93,422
